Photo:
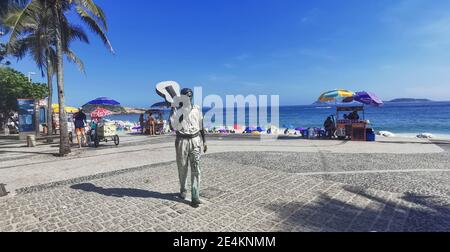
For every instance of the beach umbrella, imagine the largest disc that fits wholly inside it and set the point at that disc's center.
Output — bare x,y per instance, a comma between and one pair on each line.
72,110
367,98
238,127
337,95
103,102
100,112
250,129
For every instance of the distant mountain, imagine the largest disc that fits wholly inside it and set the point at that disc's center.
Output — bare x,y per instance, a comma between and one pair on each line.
129,111
410,100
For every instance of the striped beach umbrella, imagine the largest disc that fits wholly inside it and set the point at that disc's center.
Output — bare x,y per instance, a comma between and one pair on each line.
337,95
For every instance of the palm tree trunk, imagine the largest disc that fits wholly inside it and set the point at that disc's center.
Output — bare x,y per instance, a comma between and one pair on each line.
50,98
36,118
64,145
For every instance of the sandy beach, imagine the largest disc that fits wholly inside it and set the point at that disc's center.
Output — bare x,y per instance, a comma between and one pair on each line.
249,184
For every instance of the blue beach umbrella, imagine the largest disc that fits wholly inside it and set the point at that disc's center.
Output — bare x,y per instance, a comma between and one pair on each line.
103,102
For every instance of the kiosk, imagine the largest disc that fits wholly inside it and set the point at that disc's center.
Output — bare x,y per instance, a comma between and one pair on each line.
351,128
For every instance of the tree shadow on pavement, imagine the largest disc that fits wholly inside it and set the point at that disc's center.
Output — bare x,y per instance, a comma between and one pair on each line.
128,192
372,214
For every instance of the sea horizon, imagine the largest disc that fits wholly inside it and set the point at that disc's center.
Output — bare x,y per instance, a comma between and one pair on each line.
400,118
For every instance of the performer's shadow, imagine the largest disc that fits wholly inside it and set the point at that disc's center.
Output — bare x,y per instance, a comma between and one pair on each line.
128,192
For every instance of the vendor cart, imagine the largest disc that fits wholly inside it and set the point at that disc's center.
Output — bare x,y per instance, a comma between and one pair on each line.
106,132
350,128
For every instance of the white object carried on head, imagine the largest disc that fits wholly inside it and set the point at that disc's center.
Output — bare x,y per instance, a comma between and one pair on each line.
386,134
425,135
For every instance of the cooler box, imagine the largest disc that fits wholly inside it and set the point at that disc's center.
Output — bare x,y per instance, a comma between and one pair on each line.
370,135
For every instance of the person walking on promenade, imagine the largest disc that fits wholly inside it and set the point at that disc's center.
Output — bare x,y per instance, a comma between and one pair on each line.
80,121
188,145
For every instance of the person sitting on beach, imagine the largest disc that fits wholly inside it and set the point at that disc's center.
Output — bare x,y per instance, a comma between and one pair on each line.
351,116
329,127
142,123
354,116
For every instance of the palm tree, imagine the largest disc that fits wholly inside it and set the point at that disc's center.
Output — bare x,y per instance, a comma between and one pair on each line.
38,39
91,15
5,6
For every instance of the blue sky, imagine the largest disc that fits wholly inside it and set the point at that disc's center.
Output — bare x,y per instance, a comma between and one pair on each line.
292,48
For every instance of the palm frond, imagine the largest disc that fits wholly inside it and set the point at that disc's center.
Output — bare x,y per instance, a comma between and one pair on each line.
77,32
93,25
72,57
91,7
21,18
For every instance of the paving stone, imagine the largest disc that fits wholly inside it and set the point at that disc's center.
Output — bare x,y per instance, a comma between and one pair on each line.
243,197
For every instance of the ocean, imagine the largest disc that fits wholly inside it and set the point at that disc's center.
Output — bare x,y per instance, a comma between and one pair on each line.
398,118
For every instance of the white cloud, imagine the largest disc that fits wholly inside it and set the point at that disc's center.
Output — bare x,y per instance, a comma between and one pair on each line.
311,17
386,67
220,78
242,57
317,54
229,66
311,53
435,33
425,24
